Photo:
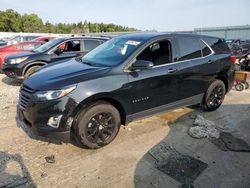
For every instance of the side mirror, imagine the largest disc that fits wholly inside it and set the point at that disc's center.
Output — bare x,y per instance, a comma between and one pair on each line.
142,65
58,51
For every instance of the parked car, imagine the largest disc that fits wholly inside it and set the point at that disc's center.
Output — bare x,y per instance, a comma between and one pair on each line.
17,38
16,48
22,65
44,38
127,78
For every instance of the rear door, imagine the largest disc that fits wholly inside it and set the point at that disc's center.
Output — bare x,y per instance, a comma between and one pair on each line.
197,67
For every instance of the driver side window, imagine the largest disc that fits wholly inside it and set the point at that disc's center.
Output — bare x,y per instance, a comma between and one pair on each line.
159,53
70,46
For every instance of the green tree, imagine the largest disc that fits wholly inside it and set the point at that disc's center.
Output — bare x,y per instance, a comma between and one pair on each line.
10,21
32,23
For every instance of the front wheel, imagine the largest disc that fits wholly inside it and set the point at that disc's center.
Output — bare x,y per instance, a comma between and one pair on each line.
31,70
214,96
97,125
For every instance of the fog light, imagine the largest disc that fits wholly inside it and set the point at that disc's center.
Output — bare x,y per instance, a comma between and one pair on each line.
54,121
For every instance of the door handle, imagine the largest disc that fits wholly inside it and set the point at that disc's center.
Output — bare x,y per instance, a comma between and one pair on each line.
210,62
172,70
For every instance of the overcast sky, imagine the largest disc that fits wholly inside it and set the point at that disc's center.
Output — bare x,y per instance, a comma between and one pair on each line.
162,15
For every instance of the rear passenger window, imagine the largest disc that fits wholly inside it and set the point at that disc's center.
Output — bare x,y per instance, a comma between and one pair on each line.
189,48
205,49
90,44
218,45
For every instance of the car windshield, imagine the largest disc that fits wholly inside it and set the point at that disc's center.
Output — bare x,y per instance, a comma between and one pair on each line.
47,45
112,52
15,38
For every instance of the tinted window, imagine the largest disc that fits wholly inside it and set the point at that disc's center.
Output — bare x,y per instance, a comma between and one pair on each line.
29,38
90,44
189,48
218,45
70,46
205,50
158,53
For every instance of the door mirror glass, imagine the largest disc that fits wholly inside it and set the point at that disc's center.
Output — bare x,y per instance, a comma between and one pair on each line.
142,65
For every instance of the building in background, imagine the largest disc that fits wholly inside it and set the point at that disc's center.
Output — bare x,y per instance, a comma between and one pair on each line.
230,32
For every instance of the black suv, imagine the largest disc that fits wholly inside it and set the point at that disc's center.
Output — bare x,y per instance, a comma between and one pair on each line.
22,65
126,78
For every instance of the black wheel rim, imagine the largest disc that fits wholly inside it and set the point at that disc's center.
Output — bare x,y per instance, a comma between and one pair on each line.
216,97
100,128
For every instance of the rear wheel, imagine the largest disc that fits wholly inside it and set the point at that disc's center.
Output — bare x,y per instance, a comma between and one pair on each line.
239,87
246,85
214,96
31,70
97,125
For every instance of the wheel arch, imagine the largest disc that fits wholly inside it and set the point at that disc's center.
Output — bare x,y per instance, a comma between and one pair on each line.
100,98
224,80
35,63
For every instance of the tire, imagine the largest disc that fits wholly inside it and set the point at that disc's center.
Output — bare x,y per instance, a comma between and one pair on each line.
214,96
31,70
239,87
97,125
246,85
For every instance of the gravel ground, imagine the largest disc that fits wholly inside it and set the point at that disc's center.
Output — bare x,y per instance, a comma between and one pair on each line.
121,164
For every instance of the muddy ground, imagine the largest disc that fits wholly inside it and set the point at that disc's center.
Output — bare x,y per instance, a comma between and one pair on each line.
127,161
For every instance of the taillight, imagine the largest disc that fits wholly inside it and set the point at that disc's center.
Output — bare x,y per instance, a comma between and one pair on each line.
233,59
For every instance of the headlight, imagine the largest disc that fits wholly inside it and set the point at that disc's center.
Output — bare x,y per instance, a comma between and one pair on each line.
17,60
53,94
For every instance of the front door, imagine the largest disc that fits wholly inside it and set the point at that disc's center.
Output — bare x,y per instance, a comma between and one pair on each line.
70,49
153,89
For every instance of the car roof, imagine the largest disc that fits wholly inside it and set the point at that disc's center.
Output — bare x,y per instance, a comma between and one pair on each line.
144,36
85,37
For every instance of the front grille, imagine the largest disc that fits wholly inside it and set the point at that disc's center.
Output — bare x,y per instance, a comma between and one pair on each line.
25,97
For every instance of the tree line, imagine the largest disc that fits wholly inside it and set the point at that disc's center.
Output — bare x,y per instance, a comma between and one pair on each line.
12,21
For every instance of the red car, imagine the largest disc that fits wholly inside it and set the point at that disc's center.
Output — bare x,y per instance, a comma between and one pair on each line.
19,47
44,38
23,46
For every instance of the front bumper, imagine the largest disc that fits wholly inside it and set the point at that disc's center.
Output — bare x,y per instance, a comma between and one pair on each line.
35,118
13,71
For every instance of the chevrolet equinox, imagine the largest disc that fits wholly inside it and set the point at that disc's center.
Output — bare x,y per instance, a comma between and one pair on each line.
127,78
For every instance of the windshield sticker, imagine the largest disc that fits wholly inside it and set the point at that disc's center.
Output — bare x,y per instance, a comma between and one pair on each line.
132,42
124,49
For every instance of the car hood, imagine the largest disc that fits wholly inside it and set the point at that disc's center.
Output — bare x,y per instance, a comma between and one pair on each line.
21,54
62,74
